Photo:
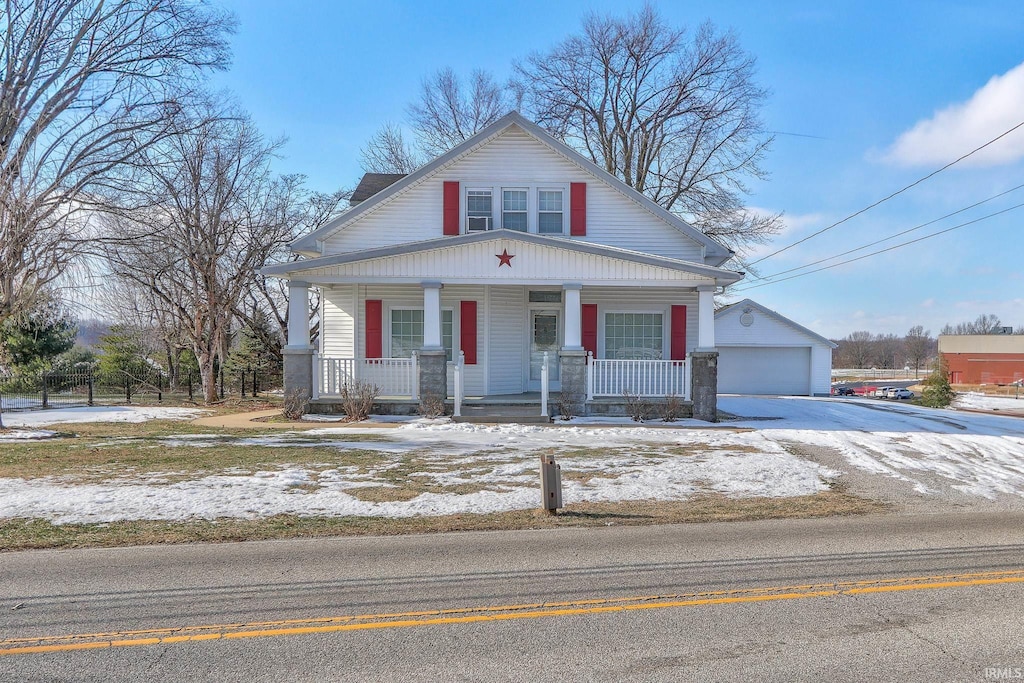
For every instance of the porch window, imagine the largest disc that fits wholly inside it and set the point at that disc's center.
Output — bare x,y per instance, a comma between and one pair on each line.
513,210
634,336
550,214
478,210
407,331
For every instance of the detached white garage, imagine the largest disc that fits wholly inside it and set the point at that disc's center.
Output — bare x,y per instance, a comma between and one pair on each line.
762,352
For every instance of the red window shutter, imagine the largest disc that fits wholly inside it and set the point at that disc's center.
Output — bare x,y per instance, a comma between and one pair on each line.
578,209
374,328
467,331
678,333
590,328
451,207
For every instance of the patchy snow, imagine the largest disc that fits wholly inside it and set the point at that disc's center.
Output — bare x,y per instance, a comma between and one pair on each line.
753,455
978,401
100,414
26,435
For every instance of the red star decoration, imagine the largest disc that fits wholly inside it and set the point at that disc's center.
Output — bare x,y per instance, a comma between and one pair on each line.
505,258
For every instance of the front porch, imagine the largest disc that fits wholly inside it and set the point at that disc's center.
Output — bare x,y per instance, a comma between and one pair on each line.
607,387
458,318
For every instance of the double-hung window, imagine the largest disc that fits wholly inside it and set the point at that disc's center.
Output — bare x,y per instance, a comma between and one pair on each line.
550,212
513,210
633,336
479,213
407,331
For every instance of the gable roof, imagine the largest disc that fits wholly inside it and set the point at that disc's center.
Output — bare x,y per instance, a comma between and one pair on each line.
371,184
739,305
715,252
721,276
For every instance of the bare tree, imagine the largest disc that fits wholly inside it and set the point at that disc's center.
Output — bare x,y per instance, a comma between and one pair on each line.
858,349
388,152
268,297
919,346
673,114
207,215
447,114
986,323
85,85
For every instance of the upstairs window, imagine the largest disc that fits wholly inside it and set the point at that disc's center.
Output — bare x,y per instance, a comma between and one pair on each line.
513,210
479,213
550,215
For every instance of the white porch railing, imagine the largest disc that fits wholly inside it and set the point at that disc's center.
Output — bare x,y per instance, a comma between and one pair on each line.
393,376
611,377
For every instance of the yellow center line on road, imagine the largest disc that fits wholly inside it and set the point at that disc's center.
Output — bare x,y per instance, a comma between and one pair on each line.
468,615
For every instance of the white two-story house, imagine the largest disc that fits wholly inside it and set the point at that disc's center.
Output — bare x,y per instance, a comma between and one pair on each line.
509,266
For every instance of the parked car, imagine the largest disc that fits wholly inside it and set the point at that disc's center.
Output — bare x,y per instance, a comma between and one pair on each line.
881,392
845,391
901,394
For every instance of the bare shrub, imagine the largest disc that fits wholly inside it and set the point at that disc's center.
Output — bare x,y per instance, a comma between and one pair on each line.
357,400
571,399
671,410
296,403
637,407
432,406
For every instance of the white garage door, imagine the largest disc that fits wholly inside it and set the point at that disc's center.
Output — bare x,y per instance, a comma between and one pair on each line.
764,370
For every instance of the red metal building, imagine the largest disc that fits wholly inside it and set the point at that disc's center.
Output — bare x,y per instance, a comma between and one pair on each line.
983,358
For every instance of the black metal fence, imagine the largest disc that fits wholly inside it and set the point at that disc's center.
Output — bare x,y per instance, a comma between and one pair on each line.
66,390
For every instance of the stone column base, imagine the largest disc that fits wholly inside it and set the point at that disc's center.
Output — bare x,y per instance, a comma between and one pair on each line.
572,369
433,368
298,370
704,387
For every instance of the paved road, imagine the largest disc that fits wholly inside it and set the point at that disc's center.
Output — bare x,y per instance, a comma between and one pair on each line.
903,597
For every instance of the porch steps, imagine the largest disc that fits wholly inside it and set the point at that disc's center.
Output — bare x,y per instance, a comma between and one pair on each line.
502,414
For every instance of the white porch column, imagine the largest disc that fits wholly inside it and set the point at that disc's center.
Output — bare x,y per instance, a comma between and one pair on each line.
298,315
573,340
706,318
432,316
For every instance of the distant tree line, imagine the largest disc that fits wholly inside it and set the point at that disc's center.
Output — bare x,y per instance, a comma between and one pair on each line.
916,349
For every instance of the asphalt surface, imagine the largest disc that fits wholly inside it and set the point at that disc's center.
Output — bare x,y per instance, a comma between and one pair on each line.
765,600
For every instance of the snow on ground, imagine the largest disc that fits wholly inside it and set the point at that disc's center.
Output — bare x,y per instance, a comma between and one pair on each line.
980,455
978,401
753,455
35,418
26,435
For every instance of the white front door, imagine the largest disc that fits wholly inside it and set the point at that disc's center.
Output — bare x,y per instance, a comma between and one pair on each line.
545,332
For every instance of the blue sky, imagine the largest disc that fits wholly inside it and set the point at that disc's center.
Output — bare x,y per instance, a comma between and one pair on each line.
890,91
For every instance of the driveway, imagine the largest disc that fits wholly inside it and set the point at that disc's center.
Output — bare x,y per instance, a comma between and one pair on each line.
917,458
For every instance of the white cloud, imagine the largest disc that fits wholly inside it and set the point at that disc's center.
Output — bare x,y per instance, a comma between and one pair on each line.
959,128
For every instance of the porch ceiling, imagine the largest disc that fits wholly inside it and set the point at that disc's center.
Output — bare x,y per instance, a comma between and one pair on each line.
505,257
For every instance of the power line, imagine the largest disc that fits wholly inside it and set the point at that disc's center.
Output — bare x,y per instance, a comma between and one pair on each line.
890,237
882,251
885,199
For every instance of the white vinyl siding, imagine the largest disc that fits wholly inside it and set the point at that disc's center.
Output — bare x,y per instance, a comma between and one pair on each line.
337,321
514,159
506,322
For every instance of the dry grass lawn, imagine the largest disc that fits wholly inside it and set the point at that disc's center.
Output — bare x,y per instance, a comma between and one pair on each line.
19,534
